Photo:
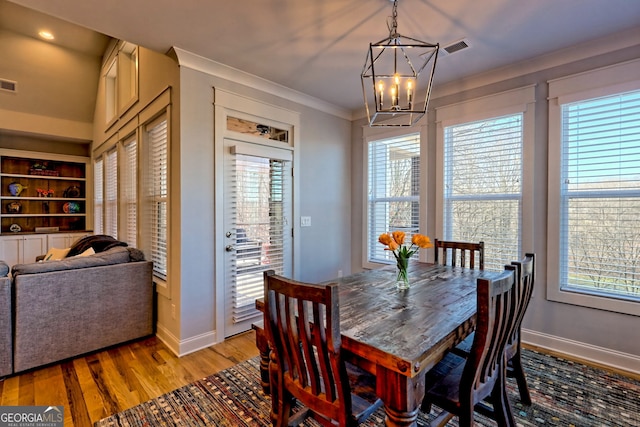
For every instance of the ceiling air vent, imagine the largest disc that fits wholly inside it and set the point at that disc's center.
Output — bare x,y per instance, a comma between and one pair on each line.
8,85
455,47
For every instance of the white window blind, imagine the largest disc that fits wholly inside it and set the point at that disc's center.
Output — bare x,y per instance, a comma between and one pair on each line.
156,195
393,191
600,196
483,186
260,207
111,194
98,196
129,193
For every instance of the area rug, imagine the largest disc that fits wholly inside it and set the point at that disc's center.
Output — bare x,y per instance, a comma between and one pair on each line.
564,393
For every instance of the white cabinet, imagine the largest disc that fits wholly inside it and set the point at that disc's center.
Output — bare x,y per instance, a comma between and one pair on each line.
63,240
21,249
24,248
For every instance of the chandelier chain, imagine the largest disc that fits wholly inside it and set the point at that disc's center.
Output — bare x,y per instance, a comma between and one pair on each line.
393,28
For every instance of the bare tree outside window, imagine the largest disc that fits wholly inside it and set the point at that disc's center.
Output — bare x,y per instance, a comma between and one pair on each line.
600,224
483,186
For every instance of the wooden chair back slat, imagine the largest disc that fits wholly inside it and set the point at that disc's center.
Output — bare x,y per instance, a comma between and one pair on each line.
495,322
525,270
456,254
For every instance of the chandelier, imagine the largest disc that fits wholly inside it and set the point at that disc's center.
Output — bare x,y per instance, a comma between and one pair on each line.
397,75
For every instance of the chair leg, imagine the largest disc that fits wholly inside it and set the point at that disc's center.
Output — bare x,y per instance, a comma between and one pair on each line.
501,407
521,379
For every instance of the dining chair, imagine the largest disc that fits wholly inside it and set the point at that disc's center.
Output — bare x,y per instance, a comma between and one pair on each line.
302,325
457,253
526,271
459,385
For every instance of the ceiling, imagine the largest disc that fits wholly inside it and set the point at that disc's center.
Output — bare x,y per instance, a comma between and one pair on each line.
318,47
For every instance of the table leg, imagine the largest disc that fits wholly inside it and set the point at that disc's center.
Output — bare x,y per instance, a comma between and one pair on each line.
263,348
401,395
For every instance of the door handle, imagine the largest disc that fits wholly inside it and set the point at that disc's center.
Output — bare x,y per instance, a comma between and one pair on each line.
229,248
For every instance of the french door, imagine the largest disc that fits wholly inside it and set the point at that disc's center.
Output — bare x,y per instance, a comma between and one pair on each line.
258,226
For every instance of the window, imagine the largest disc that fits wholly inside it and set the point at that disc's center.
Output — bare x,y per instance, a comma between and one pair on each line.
156,195
111,194
393,201
128,192
594,189
485,158
600,196
483,186
98,198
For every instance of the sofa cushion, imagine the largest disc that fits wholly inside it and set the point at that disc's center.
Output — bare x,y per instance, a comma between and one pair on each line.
54,254
116,255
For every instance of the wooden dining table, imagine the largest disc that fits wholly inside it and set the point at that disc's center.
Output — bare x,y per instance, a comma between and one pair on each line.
399,335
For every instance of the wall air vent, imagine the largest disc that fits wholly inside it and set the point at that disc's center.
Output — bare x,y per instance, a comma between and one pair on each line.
8,86
455,47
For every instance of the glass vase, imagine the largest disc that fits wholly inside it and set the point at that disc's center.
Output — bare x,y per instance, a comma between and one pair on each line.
402,278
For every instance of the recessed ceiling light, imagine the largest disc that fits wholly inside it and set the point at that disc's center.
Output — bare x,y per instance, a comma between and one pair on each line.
46,35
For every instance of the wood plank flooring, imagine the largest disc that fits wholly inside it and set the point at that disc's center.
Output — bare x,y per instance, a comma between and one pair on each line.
104,383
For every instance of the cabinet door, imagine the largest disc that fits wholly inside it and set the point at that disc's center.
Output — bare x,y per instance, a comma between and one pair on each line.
64,240
33,246
21,249
11,249
59,241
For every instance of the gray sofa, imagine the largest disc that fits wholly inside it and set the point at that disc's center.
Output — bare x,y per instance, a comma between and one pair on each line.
73,306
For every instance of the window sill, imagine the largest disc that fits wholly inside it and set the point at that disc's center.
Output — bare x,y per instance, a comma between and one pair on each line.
593,301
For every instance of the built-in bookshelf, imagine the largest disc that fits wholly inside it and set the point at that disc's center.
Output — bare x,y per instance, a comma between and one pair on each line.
42,194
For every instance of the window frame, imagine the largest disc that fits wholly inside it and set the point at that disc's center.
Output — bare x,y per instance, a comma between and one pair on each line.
377,134
520,100
578,87
129,181
111,194
98,195
150,199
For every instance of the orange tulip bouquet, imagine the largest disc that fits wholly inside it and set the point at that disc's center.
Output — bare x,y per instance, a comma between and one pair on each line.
394,242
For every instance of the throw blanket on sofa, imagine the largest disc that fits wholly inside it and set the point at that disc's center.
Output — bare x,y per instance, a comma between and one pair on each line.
99,243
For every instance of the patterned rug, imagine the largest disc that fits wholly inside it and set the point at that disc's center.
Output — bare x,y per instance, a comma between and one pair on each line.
564,393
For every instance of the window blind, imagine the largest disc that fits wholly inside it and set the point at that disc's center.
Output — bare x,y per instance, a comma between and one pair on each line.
393,191
260,205
600,196
98,196
111,194
483,186
157,193
129,193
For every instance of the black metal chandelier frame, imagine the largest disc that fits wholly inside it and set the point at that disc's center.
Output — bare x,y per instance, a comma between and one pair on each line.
390,62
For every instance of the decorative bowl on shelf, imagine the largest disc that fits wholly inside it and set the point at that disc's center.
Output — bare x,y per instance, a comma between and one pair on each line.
71,207
15,188
14,207
72,192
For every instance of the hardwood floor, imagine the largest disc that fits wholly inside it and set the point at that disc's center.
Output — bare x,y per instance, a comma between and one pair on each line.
104,383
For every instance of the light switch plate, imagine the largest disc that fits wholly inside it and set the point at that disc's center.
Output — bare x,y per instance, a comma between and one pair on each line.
305,221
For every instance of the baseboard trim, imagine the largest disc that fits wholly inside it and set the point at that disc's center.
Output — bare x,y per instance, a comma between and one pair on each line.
579,350
183,347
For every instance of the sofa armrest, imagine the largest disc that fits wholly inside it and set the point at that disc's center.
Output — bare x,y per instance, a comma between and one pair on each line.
6,328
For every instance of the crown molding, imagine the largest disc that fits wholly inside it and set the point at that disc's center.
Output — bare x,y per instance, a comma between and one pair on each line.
590,49
217,69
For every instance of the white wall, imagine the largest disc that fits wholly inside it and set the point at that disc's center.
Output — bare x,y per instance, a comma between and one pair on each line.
324,178
593,334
